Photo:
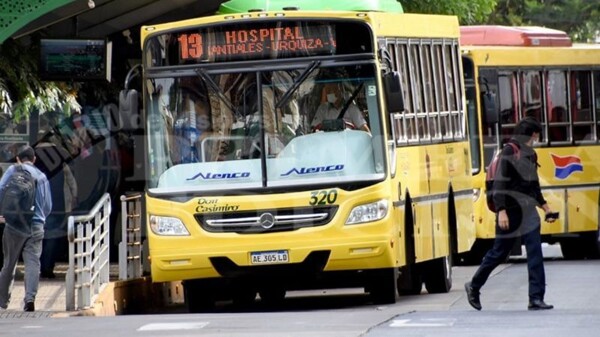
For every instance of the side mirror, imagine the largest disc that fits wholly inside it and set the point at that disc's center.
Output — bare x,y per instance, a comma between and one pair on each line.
488,106
394,95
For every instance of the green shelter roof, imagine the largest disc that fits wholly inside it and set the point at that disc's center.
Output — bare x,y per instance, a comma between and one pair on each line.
93,18
16,14
242,6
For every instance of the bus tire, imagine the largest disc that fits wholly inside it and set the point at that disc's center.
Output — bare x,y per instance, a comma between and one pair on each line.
199,296
409,281
592,245
409,276
437,275
572,249
381,285
244,295
272,296
474,256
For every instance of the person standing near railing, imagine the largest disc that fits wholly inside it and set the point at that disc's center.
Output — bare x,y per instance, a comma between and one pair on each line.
24,238
63,188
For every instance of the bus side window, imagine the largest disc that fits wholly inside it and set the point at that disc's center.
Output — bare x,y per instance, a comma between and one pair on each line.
580,95
558,124
596,99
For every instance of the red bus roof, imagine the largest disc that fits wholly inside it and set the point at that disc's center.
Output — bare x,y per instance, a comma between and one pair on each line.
513,36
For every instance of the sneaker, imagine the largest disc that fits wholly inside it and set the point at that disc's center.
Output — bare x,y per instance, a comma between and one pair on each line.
29,306
473,296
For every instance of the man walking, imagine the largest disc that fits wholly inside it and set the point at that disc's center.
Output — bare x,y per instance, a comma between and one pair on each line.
24,237
516,195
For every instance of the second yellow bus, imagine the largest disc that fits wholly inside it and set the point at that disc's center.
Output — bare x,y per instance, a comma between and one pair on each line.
511,72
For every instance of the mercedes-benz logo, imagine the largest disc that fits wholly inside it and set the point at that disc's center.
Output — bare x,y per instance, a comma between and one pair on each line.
266,220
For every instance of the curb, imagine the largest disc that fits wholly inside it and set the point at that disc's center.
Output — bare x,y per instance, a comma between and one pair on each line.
26,314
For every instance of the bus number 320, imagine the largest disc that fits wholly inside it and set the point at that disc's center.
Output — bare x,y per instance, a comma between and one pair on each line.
323,197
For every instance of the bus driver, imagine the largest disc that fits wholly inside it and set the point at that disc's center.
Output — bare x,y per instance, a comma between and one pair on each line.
332,106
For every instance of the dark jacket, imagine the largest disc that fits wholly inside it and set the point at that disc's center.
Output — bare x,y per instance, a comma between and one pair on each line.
517,183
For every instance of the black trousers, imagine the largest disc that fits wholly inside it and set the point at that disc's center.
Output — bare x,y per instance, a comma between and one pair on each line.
524,223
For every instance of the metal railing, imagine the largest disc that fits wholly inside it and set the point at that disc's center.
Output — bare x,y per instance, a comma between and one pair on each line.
131,250
89,258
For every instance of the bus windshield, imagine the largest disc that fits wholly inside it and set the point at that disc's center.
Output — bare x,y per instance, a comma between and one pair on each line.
264,128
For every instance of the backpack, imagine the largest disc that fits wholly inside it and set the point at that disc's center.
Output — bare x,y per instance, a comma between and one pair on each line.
491,174
18,197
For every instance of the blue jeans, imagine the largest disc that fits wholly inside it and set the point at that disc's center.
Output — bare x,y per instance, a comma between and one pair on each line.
524,223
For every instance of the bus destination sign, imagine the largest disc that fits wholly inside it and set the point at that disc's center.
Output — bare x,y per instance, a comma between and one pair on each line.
249,43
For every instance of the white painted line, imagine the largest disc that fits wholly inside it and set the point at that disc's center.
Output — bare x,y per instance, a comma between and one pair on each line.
172,326
424,323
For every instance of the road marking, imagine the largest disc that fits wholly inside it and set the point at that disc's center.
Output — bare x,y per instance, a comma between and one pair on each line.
423,323
172,326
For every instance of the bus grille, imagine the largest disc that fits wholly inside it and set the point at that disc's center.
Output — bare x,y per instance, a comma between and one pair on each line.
267,220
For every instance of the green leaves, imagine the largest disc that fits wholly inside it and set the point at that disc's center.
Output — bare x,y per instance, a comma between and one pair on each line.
22,91
5,100
579,18
469,12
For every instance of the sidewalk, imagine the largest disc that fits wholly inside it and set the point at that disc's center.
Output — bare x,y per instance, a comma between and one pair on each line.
51,297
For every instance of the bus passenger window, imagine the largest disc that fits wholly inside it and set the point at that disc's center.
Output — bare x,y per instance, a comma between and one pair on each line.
531,98
582,132
507,100
596,98
581,105
558,125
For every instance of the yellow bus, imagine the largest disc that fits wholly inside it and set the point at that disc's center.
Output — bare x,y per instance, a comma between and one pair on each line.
511,72
256,187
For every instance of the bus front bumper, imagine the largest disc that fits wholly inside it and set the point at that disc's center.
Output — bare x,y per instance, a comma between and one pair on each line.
326,256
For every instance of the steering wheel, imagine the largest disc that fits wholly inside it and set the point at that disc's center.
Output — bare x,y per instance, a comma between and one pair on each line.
346,125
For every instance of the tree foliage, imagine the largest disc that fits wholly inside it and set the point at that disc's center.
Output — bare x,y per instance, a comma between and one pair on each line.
579,18
469,12
22,91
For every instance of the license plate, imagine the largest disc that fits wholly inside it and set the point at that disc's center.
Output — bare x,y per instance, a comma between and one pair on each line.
271,257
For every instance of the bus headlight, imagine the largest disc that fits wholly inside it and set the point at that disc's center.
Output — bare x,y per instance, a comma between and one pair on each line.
164,225
368,212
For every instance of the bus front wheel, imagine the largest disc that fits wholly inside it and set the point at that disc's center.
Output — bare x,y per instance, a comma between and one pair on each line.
410,281
272,296
199,296
381,285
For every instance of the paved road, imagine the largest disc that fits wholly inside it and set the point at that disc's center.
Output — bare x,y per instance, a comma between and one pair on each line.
572,287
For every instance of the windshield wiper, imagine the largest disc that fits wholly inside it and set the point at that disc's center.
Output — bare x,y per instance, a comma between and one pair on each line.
350,100
215,87
286,96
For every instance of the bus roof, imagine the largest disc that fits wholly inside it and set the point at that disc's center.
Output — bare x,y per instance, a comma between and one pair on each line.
508,56
243,6
513,36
